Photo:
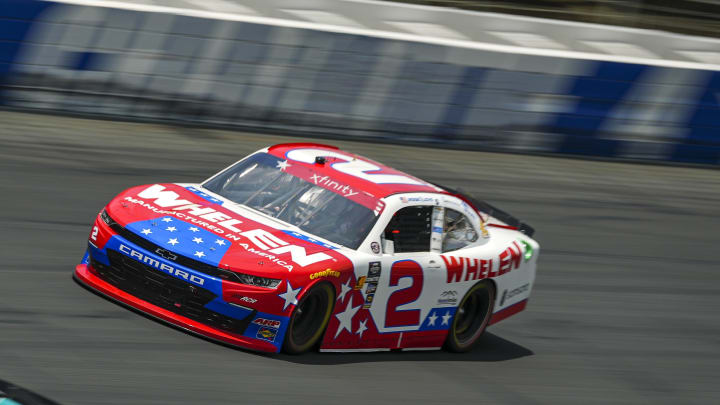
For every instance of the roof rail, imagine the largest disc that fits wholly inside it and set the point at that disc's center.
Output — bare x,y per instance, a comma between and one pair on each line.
299,144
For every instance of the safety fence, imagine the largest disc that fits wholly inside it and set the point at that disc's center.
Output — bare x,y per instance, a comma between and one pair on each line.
211,69
694,17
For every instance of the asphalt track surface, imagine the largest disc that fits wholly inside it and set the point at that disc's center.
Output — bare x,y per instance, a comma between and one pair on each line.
625,309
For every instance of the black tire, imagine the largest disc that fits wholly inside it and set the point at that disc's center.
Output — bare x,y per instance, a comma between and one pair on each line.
471,318
309,319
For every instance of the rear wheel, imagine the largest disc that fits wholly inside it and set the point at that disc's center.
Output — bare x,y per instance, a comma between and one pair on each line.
309,319
471,318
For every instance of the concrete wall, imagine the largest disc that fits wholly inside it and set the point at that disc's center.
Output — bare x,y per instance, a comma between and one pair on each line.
229,70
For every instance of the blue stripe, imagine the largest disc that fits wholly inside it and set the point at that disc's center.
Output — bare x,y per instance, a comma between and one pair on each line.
205,196
343,75
183,238
86,257
434,319
309,239
23,9
460,103
211,284
8,401
16,19
598,95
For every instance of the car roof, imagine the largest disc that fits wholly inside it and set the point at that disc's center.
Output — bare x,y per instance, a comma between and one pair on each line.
379,190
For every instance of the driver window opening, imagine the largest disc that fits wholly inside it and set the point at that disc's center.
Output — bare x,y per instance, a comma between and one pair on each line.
457,231
410,229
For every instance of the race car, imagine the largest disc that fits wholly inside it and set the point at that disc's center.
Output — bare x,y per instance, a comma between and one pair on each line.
303,246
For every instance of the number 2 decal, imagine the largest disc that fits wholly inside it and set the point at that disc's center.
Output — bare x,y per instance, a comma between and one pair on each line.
353,167
94,233
408,317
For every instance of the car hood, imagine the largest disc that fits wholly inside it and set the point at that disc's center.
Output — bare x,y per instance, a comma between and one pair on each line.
189,221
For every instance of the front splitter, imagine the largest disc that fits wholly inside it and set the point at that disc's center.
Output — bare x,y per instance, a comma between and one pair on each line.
85,276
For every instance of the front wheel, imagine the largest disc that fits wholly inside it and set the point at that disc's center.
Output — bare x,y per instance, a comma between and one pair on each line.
309,319
471,318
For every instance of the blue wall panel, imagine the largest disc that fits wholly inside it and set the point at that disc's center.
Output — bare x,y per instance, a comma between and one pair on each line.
173,67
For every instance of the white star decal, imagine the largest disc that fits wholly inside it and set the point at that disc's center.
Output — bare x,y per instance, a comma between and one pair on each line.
171,229
220,242
361,328
283,165
199,254
446,318
345,289
290,295
167,219
173,241
192,228
197,240
146,231
345,317
432,318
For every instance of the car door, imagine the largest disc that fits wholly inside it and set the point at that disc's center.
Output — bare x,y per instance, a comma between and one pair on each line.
408,280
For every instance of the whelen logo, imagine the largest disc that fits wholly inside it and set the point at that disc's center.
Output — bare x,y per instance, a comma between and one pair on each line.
170,199
161,266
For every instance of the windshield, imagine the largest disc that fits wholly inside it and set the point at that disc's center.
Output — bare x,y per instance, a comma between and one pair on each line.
262,182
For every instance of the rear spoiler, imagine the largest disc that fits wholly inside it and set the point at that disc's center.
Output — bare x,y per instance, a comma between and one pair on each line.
491,210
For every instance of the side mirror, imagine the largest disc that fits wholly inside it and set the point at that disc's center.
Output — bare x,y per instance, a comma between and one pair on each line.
388,247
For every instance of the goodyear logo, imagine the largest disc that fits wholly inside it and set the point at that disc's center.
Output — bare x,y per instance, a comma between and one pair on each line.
325,273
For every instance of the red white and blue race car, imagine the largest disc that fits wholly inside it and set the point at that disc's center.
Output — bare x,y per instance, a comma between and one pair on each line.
300,246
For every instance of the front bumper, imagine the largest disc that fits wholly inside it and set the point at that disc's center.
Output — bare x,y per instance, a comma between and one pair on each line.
129,270
85,275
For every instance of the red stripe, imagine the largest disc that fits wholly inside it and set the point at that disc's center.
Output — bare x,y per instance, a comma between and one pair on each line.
84,274
507,312
301,144
503,226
